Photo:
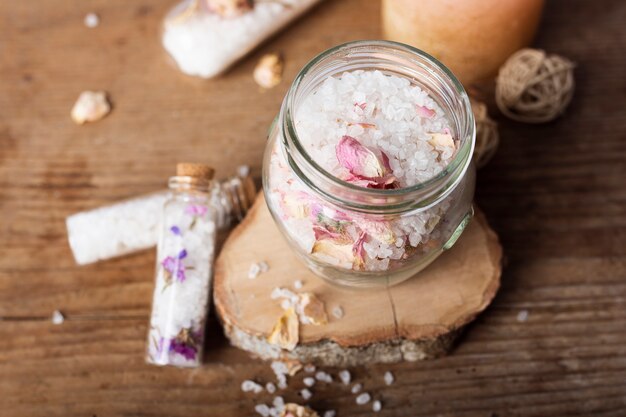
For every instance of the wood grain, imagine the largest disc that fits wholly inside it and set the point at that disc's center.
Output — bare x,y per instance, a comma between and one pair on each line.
555,194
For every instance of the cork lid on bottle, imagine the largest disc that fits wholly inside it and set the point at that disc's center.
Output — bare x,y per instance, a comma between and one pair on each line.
196,171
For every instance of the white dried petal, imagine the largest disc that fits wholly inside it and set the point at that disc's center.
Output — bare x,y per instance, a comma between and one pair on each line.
377,406
309,381
306,394
309,368
363,398
57,317
522,316
268,72
356,388
298,285
270,388
389,378
345,377
338,312
262,409
91,20
90,107
330,413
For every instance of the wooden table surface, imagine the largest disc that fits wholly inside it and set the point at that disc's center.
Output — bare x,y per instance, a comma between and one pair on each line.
555,193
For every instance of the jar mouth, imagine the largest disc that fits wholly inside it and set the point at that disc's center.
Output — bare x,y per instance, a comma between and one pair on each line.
374,54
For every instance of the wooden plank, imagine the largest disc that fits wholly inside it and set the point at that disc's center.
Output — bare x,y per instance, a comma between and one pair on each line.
554,193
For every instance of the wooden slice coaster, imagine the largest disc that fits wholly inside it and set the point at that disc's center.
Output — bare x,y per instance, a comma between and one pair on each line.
414,320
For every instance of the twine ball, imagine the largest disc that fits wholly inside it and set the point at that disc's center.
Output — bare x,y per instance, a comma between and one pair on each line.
534,87
487,137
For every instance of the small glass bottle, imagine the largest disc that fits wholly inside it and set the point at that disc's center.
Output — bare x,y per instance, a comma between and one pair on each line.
185,255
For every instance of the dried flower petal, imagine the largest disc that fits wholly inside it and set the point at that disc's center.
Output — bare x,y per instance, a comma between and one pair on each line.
268,72
296,410
311,309
335,252
229,8
364,167
285,331
441,140
298,205
380,230
425,112
359,252
90,107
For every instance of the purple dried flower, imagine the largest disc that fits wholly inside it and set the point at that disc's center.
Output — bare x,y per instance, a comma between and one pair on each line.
182,254
175,267
175,230
189,352
186,343
196,210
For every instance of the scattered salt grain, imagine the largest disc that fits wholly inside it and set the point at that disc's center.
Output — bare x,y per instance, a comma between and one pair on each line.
270,388
356,388
251,386
309,368
91,20
298,285
262,409
330,413
309,381
90,106
345,377
57,317
282,384
338,312
306,394
389,378
377,406
522,316
264,266
254,271
278,403
363,398
324,377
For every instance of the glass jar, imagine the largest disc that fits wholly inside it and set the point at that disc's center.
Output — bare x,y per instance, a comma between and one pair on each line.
365,237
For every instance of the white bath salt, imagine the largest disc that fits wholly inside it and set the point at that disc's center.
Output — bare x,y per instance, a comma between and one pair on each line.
262,409
309,368
375,131
204,43
377,406
282,383
90,106
309,381
298,285
57,317
324,377
330,413
254,271
278,403
92,20
306,394
251,386
389,378
356,388
345,377
522,316
337,312
264,267
363,398
270,388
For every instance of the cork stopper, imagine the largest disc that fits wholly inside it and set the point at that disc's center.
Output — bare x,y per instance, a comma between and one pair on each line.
199,171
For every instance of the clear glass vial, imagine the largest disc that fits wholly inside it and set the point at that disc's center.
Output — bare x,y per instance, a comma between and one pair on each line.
184,265
442,205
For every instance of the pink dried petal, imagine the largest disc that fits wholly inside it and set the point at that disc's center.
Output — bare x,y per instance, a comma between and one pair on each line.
361,105
358,159
425,112
359,252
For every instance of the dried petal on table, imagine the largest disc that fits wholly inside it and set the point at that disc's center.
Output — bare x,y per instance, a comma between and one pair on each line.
312,309
268,72
296,410
285,331
90,107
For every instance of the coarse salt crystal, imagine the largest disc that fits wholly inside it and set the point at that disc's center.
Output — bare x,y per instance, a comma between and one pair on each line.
306,394
278,403
338,312
270,388
309,368
262,409
345,377
389,378
264,266
324,377
251,386
254,271
309,381
356,388
298,285
57,317
90,107
330,413
363,398
377,406
522,316
91,20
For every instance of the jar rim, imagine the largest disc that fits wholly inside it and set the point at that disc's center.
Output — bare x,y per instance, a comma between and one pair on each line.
458,165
